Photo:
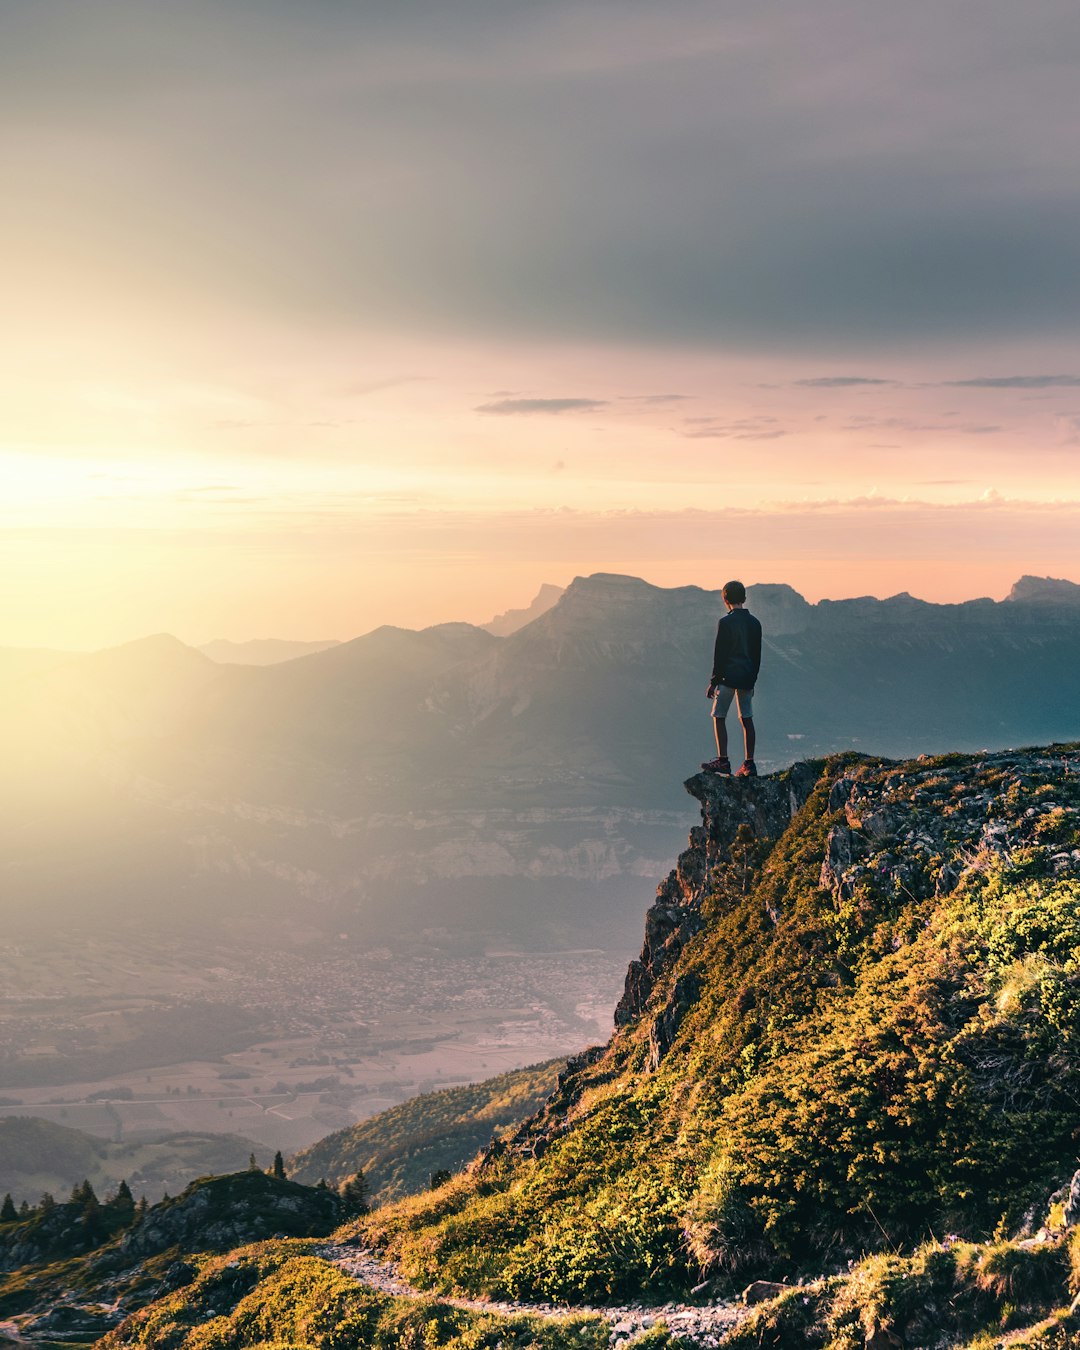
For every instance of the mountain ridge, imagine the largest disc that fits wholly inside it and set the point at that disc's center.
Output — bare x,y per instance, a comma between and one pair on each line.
228,780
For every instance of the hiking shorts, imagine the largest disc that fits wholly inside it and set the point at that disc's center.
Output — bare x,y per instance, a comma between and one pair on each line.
722,701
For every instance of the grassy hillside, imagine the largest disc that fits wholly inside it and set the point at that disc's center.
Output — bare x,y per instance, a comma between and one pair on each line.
871,1042
399,1150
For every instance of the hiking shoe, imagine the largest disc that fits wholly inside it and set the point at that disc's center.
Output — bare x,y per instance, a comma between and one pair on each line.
747,769
717,765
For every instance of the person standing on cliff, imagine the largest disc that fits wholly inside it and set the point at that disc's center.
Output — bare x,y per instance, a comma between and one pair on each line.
736,662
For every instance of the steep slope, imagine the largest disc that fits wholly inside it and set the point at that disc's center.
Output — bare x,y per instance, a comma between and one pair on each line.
842,1035
399,1150
502,625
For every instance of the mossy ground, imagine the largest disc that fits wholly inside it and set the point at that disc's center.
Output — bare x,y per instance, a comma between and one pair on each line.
282,1294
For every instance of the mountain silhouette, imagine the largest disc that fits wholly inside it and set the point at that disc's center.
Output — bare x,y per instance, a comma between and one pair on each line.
519,788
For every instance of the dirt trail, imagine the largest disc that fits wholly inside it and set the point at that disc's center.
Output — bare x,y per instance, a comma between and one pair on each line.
705,1324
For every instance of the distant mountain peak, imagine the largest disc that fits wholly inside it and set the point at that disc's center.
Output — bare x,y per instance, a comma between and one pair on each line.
456,630
1044,590
502,625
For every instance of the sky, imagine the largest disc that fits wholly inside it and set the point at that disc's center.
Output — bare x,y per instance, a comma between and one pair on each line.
326,315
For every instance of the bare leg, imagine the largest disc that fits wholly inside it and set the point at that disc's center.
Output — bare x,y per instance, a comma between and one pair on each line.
721,737
749,736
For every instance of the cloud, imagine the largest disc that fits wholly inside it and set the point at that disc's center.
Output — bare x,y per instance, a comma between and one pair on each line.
840,381
655,398
693,177
761,428
725,434
1017,382
864,422
528,406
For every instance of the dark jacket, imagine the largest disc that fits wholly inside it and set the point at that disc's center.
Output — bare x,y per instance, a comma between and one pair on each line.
737,654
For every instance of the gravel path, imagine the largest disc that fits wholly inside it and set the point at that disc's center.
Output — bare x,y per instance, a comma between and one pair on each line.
704,1323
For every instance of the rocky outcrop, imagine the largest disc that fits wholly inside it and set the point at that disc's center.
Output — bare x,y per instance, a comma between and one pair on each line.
922,828
766,806
1072,1201
223,1212
666,1023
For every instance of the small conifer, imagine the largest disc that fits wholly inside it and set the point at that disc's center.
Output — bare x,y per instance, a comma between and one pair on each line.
123,1201
354,1193
8,1212
278,1169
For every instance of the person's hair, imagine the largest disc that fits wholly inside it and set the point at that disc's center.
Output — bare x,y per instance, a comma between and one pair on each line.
735,593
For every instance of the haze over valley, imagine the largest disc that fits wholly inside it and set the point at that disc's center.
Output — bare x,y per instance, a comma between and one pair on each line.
270,900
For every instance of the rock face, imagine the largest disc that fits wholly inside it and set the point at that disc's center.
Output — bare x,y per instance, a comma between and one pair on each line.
223,1212
765,806
1072,1202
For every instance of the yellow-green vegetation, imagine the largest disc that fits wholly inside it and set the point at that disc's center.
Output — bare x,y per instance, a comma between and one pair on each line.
400,1150
280,1294
883,1048
942,1295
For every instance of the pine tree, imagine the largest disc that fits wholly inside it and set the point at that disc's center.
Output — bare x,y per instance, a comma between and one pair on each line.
8,1212
253,1165
123,1201
47,1203
91,1211
278,1169
84,1195
354,1194
24,1210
